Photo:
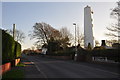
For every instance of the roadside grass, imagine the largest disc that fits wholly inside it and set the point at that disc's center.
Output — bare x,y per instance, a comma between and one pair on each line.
21,64
14,73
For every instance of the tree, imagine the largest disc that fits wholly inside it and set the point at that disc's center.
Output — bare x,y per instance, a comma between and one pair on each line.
53,46
89,46
114,29
65,33
19,35
66,36
110,42
80,37
97,43
43,32
32,48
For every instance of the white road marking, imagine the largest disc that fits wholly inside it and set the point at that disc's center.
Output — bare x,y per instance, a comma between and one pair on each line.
80,65
38,69
96,69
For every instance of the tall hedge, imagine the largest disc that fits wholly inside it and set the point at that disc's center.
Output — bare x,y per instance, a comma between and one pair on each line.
10,48
17,50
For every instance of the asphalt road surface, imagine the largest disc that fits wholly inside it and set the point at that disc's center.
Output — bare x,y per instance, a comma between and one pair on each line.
42,67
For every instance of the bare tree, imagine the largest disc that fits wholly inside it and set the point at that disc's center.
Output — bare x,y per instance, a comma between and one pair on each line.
110,42
66,37
116,11
80,37
114,29
43,32
65,33
19,35
97,43
32,48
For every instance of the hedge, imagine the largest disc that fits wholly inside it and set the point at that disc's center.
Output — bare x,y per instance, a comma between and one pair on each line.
112,54
17,49
10,48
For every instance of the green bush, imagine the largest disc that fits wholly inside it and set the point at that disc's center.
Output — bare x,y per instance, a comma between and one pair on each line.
66,52
17,50
8,45
10,48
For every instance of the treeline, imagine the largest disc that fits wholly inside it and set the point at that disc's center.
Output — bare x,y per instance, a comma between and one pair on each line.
11,49
45,34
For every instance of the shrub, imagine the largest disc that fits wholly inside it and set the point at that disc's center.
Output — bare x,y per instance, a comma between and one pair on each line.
8,45
10,48
17,49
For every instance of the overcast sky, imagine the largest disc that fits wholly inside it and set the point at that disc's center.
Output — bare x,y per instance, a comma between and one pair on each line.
57,14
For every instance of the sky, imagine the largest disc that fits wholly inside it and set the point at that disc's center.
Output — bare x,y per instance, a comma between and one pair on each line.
57,14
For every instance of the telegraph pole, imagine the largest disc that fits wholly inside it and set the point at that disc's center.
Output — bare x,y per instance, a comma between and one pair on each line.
14,31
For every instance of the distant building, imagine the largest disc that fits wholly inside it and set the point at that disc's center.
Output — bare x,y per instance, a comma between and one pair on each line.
44,50
103,44
88,28
39,51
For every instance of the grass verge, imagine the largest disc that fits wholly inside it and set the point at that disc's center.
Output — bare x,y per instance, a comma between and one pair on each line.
13,74
21,64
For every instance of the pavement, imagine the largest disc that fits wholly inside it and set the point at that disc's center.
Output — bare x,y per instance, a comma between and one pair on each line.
30,69
42,67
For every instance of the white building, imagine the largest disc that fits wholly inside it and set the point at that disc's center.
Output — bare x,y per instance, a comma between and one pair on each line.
44,50
88,27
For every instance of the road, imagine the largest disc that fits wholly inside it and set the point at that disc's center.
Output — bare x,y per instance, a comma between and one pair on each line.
42,67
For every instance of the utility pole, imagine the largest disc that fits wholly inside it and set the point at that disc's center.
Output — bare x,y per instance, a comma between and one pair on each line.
78,36
75,43
14,31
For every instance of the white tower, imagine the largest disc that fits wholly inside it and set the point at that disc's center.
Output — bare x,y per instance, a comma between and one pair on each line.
88,31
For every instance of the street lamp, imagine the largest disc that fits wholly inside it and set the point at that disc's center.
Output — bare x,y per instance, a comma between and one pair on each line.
75,32
75,41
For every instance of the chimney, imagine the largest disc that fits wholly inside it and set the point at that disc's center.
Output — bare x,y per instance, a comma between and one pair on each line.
103,43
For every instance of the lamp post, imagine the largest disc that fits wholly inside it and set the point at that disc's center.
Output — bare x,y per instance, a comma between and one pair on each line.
75,42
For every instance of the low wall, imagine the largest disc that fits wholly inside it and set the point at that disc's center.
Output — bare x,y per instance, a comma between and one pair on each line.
6,67
83,58
0,70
